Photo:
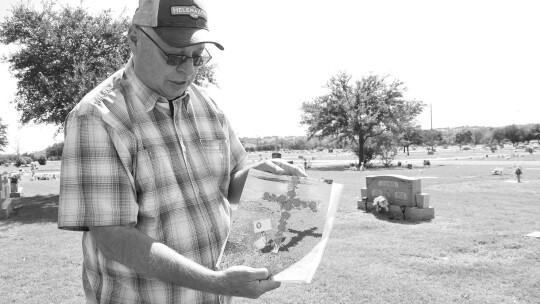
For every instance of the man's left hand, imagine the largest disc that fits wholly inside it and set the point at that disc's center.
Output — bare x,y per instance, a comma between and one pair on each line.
279,167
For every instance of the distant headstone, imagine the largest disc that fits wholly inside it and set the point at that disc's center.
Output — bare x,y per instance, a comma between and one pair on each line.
497,171
276,155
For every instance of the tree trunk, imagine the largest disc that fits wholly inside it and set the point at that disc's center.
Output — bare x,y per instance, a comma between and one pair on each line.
361,148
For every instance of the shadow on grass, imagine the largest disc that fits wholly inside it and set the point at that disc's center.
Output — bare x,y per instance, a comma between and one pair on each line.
35,209
395,218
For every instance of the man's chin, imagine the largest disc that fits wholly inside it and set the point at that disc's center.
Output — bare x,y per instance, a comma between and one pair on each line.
175,90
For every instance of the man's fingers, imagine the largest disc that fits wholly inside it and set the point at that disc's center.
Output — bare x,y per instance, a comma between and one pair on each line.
301,172
280,167
263,282
269,166
275,168
290,169
259,274
268,285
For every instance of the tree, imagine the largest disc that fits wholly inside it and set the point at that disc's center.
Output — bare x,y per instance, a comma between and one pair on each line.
431,138
513,133
464,137
3,135
384,146
478,135
532,133
355,113
206,76
54,152
498,135
535,132
63,54
411,135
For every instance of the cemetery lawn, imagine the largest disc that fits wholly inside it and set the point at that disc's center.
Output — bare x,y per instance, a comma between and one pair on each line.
474,251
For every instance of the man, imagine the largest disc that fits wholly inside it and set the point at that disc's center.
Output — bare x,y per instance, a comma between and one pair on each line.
149,166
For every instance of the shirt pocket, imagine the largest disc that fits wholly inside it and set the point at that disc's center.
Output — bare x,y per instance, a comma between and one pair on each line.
153,174
216,153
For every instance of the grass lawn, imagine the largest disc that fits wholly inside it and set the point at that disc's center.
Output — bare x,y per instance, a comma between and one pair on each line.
474,251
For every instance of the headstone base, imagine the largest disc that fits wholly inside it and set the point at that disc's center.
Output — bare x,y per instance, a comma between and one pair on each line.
16,194
420,214
361,204
414,213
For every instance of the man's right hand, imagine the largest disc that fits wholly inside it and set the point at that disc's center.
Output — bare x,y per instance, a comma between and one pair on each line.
243,281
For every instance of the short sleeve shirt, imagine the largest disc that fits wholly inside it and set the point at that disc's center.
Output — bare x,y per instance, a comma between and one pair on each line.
126,161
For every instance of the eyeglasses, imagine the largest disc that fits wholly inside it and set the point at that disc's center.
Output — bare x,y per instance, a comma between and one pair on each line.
177,60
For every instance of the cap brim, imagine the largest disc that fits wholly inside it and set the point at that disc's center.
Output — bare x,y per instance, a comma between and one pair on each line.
183,37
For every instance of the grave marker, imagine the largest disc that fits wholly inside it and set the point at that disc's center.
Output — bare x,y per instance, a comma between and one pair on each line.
403,193
6,206
5,186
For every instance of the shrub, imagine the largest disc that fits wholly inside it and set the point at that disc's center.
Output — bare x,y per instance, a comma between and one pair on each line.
22,161
19,162
42,160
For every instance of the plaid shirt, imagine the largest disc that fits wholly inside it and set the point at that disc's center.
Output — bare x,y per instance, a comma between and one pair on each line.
126,161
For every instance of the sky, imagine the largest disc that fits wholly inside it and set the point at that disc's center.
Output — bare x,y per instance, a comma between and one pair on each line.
475,63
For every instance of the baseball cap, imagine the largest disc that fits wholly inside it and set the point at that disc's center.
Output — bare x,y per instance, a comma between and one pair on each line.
179,23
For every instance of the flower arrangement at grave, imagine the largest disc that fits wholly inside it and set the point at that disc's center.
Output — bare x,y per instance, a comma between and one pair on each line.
381,204
15,178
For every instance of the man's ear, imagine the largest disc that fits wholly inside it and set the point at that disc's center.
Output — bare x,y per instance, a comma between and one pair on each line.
133,38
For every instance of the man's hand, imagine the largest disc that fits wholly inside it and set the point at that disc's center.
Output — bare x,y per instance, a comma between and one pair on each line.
247,282
279,167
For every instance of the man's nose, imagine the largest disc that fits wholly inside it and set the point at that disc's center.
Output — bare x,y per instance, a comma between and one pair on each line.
187,67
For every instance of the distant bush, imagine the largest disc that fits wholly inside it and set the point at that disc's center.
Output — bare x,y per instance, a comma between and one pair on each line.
19,162
22,161
7,159
42,160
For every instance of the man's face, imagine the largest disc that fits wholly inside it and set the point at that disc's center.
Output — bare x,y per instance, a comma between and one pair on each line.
151,66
